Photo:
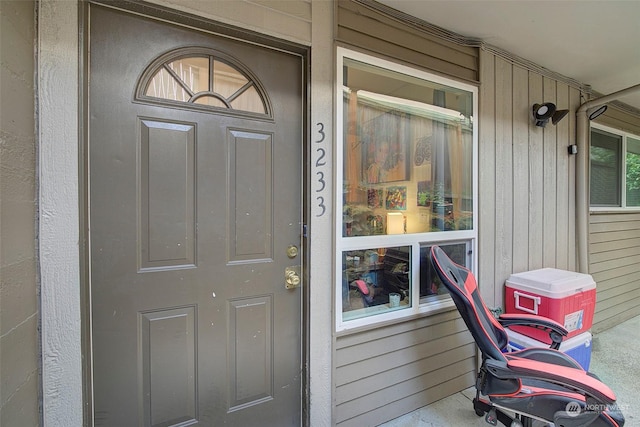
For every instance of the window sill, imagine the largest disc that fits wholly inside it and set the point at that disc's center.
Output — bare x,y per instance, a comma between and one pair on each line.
427,309
613,210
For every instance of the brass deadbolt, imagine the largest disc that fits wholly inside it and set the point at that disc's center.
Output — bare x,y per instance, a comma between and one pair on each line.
292,251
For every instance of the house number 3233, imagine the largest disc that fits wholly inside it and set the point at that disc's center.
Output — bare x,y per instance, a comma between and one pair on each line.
321,163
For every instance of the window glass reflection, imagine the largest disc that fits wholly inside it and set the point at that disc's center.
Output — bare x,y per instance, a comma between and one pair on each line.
431,287
194,72
206,81
375,281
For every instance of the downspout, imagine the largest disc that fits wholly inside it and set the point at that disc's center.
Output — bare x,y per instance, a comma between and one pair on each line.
582,173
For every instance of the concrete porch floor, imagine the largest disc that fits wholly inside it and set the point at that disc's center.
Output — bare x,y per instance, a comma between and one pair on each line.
615,358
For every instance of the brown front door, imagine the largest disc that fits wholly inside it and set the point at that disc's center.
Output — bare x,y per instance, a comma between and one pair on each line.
195,188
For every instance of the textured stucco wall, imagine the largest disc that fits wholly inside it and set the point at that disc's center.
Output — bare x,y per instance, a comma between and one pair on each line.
19,351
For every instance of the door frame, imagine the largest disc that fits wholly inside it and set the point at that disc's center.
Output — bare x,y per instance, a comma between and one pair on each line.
218,29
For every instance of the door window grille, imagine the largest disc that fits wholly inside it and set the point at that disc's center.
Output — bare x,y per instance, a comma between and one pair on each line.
202,79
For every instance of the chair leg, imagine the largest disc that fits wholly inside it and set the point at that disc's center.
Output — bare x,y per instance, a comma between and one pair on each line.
522,421
526,421
481,408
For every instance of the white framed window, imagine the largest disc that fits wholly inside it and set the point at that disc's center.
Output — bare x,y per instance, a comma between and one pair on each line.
615,169
407,161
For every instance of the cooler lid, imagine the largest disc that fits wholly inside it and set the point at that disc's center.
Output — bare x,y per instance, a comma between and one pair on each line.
551,282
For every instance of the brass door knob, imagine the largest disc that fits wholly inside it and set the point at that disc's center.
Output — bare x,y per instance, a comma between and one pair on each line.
292,279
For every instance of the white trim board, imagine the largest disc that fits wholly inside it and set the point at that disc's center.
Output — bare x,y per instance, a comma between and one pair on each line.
58,226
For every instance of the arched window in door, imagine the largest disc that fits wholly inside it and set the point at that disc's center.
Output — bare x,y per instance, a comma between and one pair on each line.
203,79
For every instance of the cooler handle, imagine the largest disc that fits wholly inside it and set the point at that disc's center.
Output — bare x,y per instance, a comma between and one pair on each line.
536,302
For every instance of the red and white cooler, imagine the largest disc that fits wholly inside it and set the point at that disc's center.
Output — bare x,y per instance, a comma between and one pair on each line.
567,297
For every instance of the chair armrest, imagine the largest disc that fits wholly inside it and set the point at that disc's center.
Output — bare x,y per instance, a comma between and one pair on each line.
572,378
556,330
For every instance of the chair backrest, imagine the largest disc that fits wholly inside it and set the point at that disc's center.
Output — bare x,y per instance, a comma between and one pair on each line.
489,335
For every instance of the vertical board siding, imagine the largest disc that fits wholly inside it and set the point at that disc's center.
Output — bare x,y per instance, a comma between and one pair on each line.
503,252
526,176
385,372
535,208
549,174
574,101
521,168
487,178
562,181
614,263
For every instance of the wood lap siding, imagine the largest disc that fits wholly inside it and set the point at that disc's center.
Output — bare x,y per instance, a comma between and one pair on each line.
618,119
614,248
614,263
526,177
385,372
360,24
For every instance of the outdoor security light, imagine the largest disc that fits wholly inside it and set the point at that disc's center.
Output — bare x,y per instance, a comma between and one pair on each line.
596,112
543,112
558,115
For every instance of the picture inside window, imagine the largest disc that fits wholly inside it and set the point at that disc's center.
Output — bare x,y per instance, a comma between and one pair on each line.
408,153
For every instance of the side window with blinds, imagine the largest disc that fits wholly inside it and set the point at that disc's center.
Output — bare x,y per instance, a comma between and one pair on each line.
615,169
633,172
605,168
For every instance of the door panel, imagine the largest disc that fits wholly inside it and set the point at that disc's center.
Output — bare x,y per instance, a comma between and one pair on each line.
167,168
191,212
250,159
250,326
168,366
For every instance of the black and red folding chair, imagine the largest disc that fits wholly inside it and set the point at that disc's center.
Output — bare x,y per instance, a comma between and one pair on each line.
532,384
